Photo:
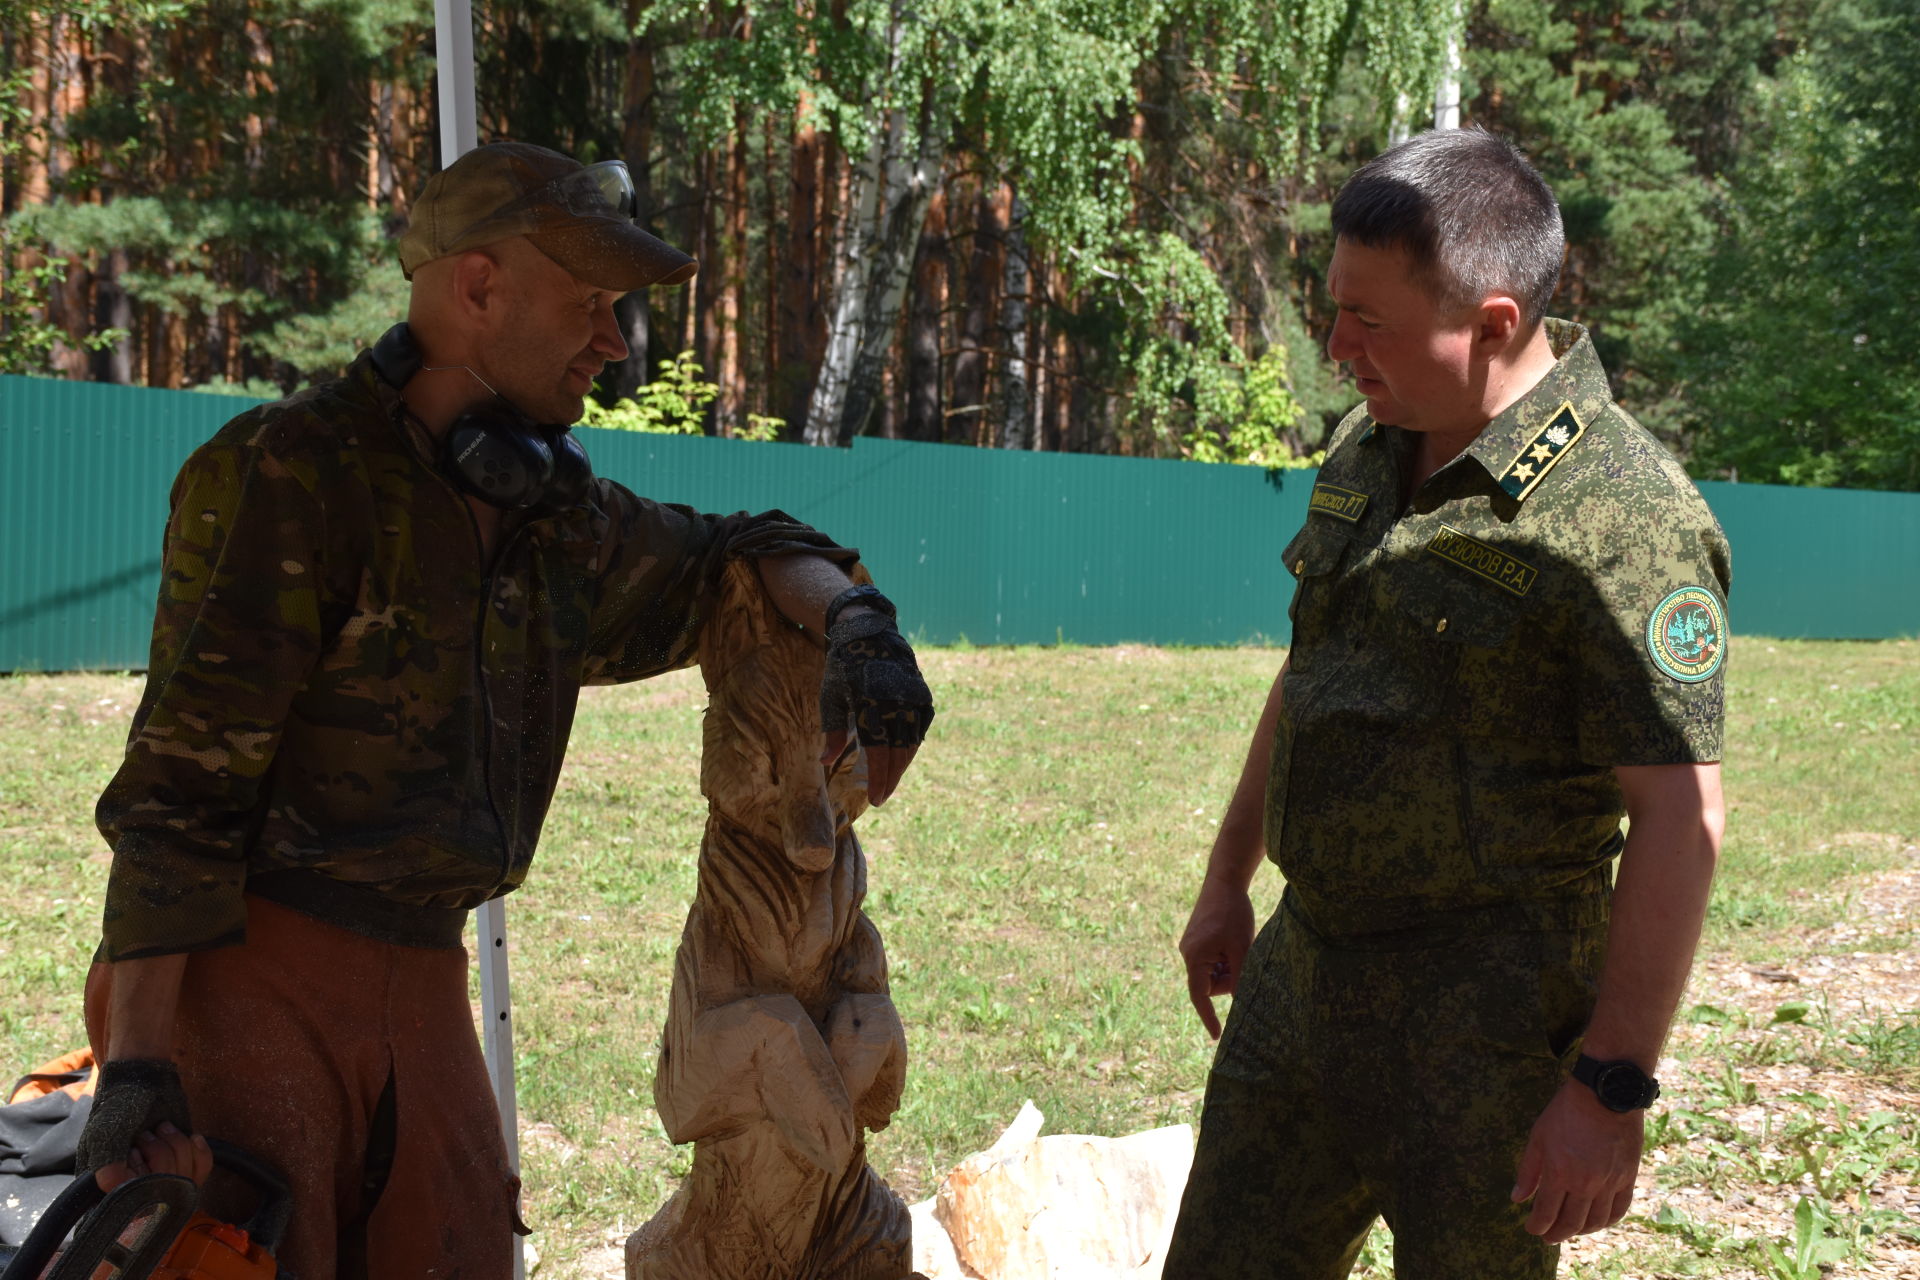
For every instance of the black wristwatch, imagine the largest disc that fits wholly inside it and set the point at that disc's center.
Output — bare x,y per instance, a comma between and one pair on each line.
866,594
1620,1085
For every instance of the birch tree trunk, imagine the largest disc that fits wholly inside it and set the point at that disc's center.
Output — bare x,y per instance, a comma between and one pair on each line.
1016,404
887,202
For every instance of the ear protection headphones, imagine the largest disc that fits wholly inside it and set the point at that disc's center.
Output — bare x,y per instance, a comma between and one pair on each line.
494,451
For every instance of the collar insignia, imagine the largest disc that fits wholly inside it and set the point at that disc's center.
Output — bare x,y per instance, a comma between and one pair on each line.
1538,455
1343,504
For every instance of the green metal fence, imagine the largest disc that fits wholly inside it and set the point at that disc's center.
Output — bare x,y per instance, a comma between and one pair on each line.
995,547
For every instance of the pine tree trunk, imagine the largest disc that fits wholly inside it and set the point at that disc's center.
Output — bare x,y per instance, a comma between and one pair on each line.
730,407
770,282
706,291
1059,384
923,326
799,294
636,147
967,413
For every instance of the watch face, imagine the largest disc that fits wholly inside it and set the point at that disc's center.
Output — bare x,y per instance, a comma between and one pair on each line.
1622,1086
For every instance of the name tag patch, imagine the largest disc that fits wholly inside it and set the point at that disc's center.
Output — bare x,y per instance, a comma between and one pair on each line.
1343,504
1491,563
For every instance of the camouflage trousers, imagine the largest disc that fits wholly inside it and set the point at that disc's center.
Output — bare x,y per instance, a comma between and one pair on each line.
1357,1084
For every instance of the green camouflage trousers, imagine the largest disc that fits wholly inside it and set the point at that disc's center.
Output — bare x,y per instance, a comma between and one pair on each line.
1355,1084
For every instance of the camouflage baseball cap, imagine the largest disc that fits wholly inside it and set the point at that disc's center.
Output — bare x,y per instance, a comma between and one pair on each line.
581,216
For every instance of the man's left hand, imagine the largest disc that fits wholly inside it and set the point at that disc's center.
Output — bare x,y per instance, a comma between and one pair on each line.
1579,1166
873,682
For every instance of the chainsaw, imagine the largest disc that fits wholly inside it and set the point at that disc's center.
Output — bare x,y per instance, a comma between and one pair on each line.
148,1229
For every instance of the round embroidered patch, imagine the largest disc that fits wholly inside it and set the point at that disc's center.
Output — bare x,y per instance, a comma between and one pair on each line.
1687,634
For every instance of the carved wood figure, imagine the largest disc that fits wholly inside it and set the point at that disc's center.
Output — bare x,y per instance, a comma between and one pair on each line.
782,1047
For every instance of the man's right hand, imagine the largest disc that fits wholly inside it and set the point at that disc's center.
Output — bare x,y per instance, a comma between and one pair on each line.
166,1150
135,1100
1219,935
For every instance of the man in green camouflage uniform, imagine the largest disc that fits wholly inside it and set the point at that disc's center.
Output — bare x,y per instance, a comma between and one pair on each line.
1508,633
363,676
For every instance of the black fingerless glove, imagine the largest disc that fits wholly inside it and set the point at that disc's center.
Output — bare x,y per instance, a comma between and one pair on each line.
873,679
132,1096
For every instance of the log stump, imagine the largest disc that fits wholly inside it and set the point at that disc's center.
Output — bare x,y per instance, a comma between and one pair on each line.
782,1048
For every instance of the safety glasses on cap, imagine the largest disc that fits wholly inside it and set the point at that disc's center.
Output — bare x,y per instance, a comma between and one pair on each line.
615,185
596,191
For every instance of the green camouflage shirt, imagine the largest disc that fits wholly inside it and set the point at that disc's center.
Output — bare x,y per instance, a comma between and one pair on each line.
345,709
1465,674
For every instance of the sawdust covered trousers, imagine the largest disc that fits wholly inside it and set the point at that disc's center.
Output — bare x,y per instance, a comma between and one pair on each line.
318,1049
1356,1084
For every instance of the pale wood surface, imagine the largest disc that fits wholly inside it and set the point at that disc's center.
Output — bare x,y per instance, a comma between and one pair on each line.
782,1048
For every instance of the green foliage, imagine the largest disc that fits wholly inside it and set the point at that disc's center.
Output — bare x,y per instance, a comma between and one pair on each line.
674,403
185,258
26,277
28,273
1801,358
1048,96
1259,411
319,343
1590,102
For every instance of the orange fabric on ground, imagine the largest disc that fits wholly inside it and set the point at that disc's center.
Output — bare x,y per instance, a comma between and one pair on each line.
65,1064
285,1044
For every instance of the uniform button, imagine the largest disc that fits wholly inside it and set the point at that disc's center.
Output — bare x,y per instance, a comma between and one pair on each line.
1440,625
1299,567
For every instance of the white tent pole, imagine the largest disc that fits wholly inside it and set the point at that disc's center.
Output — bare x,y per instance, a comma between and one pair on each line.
453,49
453,59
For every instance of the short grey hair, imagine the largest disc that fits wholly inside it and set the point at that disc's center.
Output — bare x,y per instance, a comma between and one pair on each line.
1469,211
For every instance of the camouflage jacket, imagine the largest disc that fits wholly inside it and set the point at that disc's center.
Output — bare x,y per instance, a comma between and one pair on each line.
1466,672
346,710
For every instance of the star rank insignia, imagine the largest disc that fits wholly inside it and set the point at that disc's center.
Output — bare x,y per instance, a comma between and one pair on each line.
1538,455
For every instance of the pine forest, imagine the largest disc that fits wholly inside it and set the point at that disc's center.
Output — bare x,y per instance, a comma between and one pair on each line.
1074,225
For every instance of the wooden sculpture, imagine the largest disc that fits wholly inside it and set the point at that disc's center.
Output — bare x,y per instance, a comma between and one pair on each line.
781,1046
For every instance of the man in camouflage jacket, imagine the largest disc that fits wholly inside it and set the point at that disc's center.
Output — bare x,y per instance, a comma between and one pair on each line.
363,676
1509,629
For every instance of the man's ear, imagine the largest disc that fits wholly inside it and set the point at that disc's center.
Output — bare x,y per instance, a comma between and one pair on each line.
1499,326
477,281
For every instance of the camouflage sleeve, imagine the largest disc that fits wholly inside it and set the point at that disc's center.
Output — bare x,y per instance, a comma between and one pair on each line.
236,632
1652,643
659,566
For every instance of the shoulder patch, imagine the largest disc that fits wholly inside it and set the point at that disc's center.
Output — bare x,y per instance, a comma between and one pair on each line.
1344,504
1490,562
1538,455
1687,634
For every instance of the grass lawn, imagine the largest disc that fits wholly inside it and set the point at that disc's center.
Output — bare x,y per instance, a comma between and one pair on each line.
1030,881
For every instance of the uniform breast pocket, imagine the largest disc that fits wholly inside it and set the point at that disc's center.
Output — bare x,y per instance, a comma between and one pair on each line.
1314,558
1448,629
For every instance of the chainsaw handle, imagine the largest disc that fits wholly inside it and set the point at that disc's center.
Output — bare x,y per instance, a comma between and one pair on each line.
96,1235
269,1222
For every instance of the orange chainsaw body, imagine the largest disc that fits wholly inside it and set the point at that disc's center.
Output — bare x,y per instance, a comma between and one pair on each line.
209,1249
